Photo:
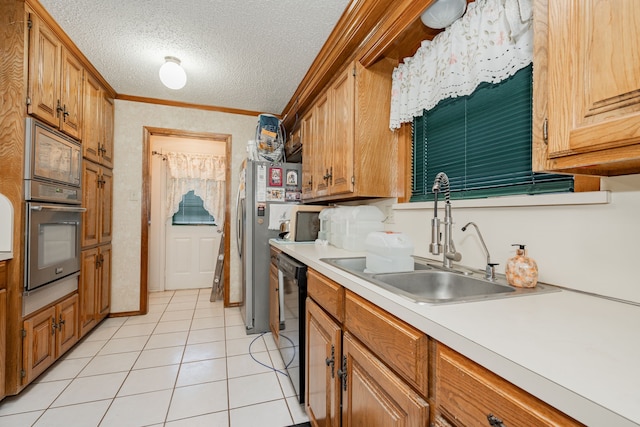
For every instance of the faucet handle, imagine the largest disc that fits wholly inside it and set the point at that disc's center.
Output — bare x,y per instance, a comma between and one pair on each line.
490,272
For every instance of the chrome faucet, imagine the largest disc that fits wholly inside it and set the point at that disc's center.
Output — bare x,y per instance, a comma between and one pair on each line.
490,269
441,185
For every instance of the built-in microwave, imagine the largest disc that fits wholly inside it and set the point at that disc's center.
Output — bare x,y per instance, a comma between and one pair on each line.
53,165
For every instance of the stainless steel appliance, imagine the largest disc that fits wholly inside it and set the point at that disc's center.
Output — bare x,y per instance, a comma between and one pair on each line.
292,289
53,243
269,189
53,167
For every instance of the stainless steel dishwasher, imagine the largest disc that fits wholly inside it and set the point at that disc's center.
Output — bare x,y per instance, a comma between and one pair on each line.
292,290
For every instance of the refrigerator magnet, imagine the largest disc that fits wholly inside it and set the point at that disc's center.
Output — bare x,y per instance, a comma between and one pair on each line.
275,177
292,177
275,195
293,196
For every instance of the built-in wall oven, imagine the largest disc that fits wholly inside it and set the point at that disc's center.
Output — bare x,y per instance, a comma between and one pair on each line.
292,290
53,168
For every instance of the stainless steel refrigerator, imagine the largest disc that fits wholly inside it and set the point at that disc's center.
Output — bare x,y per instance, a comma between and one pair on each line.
269,189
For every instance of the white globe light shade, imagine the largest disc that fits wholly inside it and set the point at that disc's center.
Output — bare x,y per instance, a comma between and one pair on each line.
172,75
443,13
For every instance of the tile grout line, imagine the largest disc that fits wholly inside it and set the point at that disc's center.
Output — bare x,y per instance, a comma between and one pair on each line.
134,363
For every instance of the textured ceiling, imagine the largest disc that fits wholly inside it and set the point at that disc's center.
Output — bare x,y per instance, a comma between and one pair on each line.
241,54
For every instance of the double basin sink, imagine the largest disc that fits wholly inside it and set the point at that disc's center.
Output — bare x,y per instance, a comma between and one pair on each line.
430,283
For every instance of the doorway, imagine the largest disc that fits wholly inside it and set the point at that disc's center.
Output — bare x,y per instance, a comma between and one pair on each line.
191,253
183,248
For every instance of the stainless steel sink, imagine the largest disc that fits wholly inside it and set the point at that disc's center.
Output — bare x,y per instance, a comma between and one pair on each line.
431,284
359,264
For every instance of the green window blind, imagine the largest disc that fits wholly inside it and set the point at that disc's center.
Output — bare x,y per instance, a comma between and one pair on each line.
191,211
483,143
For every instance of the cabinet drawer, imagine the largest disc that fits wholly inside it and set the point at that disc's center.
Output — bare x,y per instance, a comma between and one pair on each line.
328,294
399,345
467,394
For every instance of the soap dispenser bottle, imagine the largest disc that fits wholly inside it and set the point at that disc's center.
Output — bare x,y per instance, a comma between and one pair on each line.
521,271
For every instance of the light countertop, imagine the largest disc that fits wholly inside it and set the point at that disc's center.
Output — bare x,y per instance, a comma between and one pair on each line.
579,353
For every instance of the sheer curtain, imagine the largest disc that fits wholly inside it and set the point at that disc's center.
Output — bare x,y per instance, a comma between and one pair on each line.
489,43
202,173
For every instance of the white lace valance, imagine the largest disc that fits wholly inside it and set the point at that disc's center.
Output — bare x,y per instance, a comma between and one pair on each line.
492,41
202,173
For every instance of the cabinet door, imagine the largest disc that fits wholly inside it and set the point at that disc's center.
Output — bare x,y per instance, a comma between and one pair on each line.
92,119
71,95
68,332
324,149
403,347
39,343
105,202
594,82
104,289
91,202
374,396
309,159
322,395
107,130
342,120
87,290
44,72
274,302
3,338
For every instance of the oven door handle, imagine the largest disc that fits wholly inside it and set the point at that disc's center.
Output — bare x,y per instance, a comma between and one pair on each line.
57,208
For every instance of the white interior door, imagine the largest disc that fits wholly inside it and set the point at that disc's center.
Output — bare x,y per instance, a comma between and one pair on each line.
191,255
180,257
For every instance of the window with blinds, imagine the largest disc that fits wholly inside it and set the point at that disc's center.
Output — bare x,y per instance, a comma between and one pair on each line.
191,211
483,143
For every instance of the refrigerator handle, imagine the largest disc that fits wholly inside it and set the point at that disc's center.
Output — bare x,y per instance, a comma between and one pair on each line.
239,224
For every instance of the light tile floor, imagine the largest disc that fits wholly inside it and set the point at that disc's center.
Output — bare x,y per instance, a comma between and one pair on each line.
188,362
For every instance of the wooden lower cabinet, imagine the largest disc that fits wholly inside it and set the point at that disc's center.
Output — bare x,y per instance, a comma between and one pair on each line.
324,350
366,367
373,395
469,395
48,334
95,286
348,383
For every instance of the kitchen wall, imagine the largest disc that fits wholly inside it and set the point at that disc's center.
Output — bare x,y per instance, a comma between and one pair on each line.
589,247
130,118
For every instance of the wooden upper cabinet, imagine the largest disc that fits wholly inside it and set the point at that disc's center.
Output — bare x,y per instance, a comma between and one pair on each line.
343,124
588,68
106,151
323,152
97,139
44,72
71,95
55,80
307,136
91,131
355,155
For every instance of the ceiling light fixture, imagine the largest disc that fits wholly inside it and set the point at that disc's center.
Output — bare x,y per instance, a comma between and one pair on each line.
172,74
443,13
